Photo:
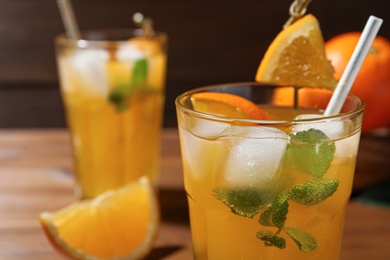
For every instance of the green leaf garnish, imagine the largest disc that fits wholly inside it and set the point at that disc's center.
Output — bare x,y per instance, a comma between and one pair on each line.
304,240
310,152
118,96
244,202
271,239
140,72
276,214
314,191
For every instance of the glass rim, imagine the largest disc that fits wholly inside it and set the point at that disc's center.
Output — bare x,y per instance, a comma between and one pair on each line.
349,114
125,33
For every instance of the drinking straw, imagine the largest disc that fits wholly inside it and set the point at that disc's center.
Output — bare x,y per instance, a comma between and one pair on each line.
69,20
349,75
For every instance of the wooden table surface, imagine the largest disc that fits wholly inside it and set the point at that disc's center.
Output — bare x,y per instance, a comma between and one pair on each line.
35,175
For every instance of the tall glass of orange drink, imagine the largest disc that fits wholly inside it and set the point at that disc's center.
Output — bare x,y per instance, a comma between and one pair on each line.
267,176
112,85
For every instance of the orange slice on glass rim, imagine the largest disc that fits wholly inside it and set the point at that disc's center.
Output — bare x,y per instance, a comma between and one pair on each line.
297,57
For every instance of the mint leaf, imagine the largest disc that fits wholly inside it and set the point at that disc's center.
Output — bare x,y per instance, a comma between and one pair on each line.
118,96
244,202
271,239
314,191
304,240
276,214
310,152
140,72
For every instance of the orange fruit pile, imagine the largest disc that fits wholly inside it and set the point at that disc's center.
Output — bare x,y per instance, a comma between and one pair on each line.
119,224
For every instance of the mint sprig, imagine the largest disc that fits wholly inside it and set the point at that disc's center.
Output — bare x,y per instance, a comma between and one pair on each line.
310,152
118,96
308,193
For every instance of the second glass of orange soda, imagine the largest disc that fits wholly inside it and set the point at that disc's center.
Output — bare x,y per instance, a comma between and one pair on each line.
112,85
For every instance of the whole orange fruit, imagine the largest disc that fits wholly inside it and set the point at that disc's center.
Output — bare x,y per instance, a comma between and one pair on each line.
372,83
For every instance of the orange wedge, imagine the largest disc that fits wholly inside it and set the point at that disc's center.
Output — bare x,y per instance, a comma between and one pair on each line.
225,104
119,224
297,57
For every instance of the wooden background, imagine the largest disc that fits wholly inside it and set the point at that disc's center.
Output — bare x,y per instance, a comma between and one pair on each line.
210,41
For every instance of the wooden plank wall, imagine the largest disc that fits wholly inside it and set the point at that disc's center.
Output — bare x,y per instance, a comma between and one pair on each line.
210,41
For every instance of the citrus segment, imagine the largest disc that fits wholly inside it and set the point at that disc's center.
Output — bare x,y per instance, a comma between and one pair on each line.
225,104
297,57
119,224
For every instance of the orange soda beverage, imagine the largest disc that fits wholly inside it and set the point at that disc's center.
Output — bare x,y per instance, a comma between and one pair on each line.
272,188
112,85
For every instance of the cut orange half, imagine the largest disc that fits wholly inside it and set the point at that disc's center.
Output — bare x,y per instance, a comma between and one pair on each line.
297,57
226,104
119,224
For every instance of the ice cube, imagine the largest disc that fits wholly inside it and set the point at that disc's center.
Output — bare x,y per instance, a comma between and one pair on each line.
250,156
129,52
334,130
348,147
197,154
198,144
85,70
203,128
133,50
